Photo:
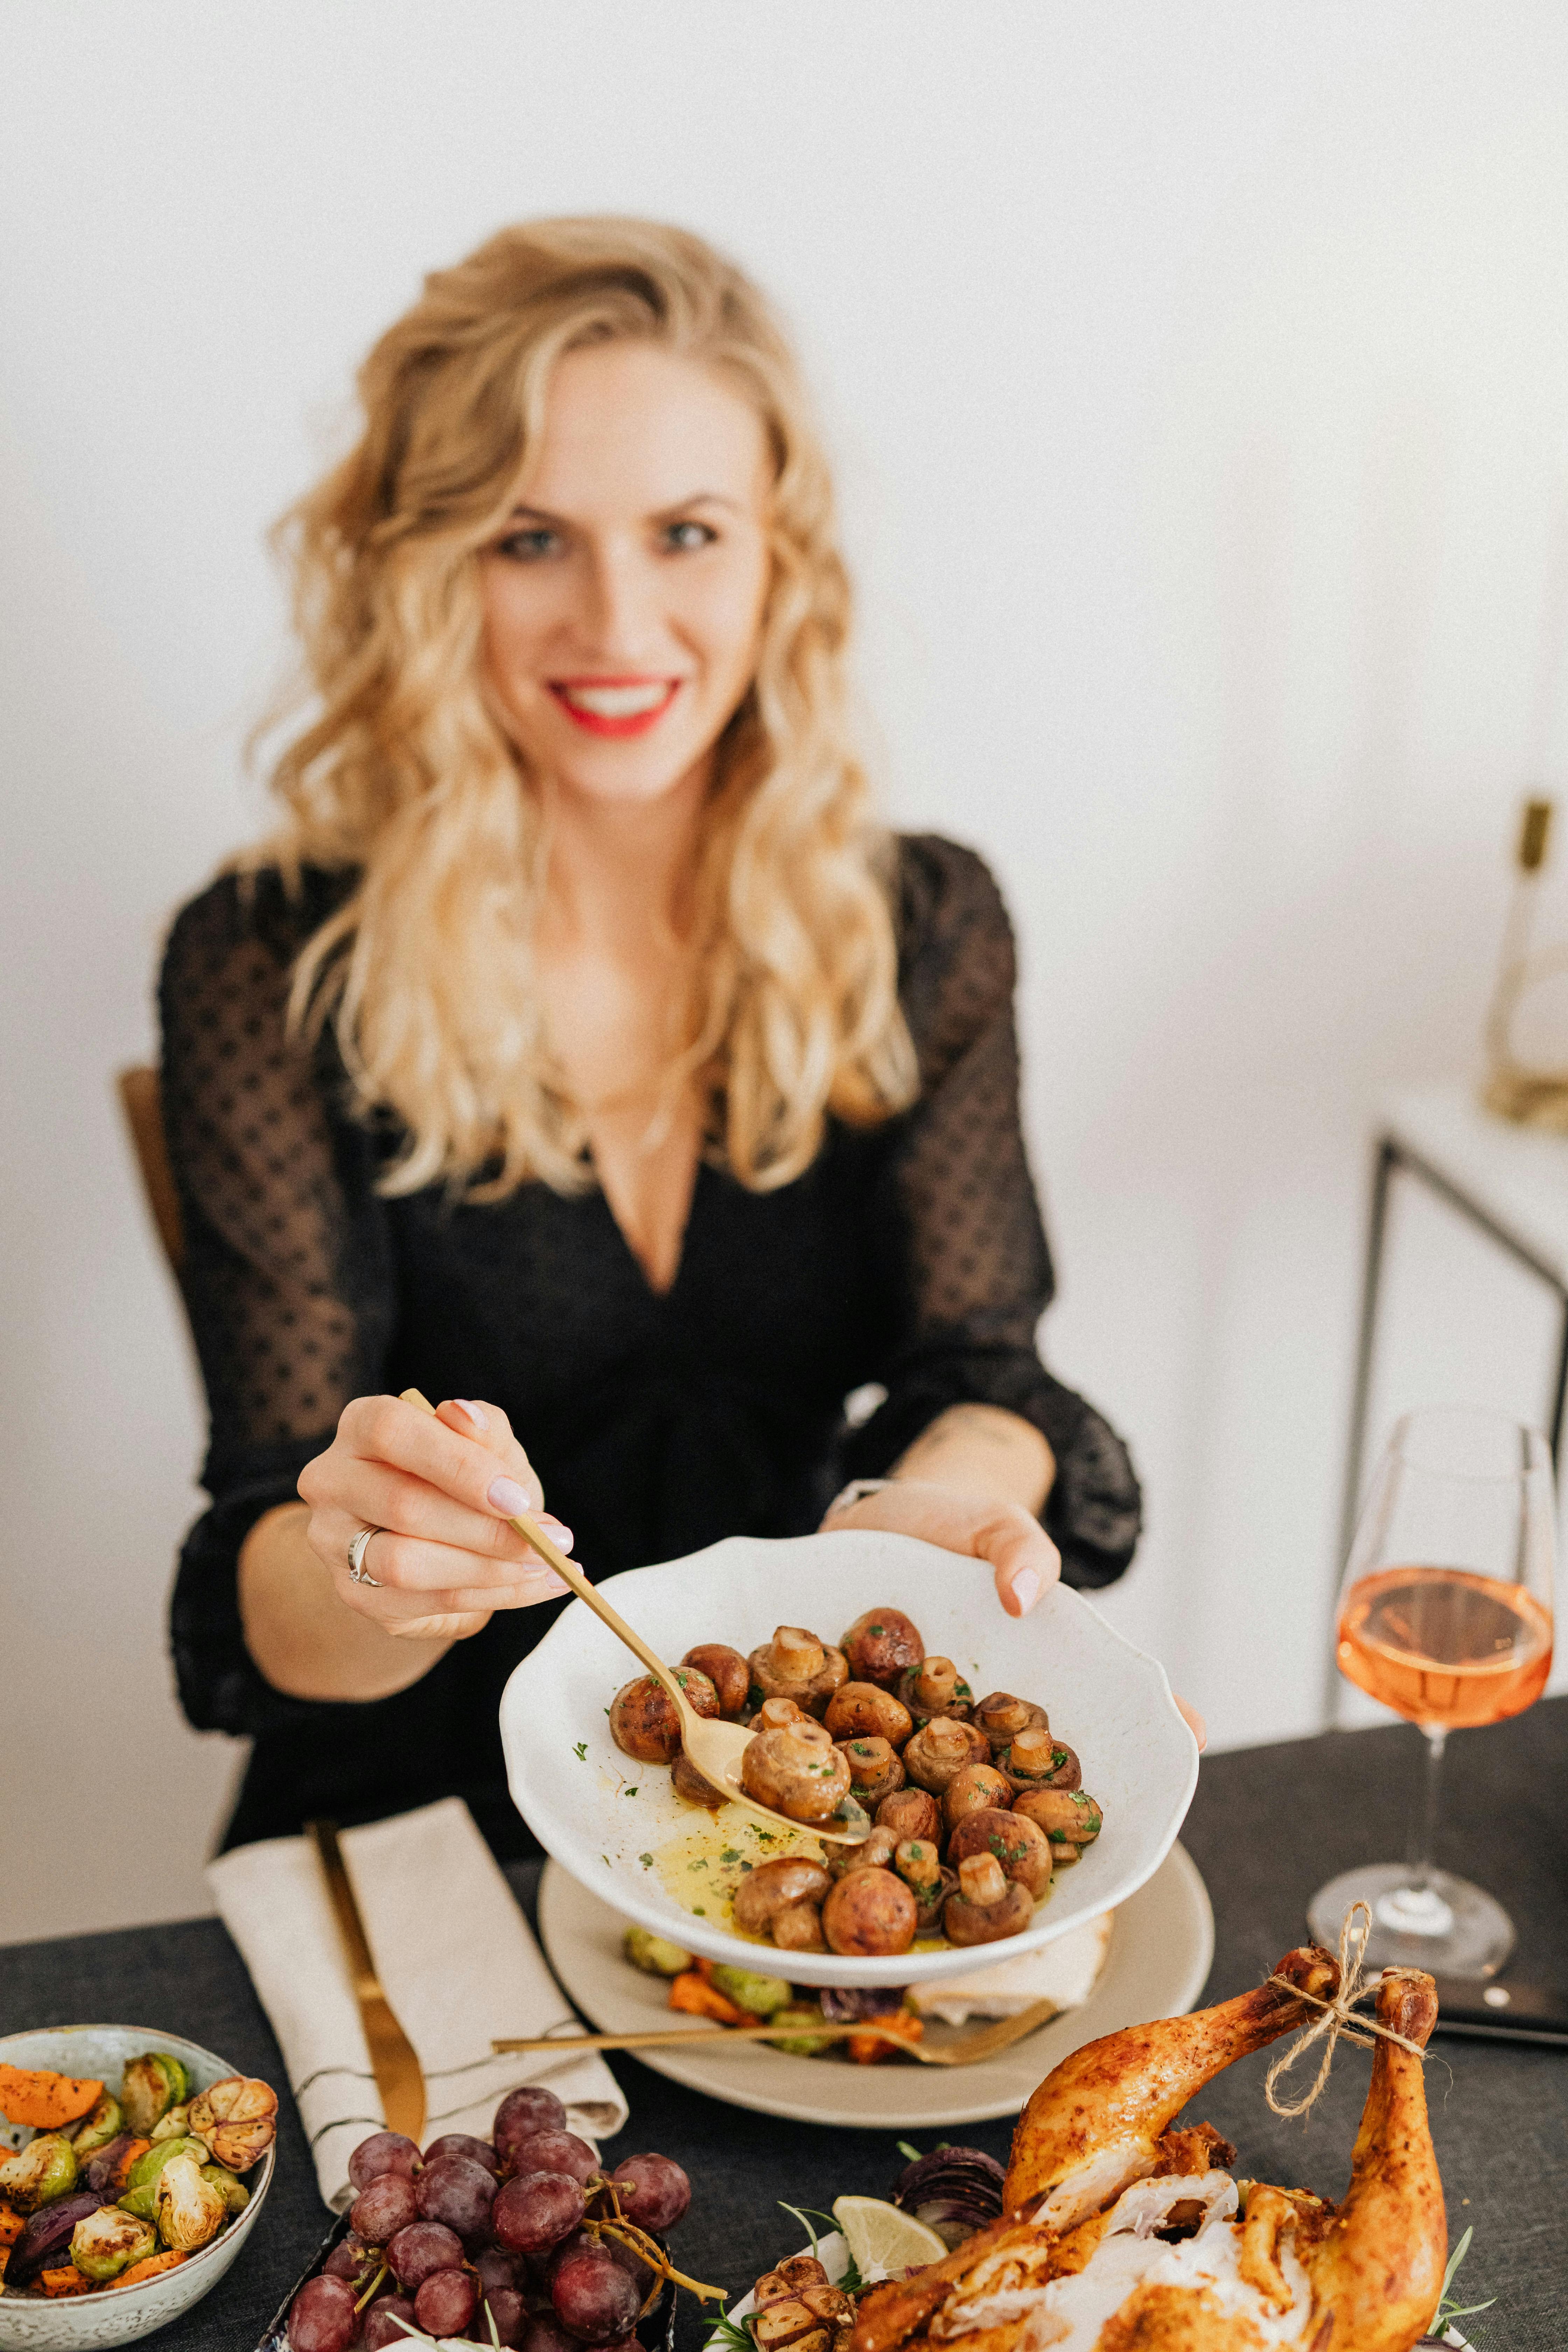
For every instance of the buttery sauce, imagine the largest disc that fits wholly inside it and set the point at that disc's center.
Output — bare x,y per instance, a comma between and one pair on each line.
701,1869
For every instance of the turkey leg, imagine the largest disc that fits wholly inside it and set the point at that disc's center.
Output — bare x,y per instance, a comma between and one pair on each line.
1378,2271
1094,2123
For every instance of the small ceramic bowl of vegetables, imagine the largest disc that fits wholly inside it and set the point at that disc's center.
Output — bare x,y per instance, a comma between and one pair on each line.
132,2167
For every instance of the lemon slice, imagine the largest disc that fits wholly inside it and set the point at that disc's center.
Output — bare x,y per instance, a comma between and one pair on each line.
884,2240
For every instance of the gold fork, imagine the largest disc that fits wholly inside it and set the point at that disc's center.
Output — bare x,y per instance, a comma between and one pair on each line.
964,2050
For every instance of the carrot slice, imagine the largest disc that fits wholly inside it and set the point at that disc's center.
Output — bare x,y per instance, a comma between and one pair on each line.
68,2280
32,2094
694,1995
12,2225
152,2268
869,2049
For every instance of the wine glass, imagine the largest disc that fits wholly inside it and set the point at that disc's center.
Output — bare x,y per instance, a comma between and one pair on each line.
1444,1615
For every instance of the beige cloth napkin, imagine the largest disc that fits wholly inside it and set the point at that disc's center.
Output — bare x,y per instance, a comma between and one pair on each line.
456,1960
1064,1972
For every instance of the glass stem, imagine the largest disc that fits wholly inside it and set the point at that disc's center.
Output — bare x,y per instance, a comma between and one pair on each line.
1423,1828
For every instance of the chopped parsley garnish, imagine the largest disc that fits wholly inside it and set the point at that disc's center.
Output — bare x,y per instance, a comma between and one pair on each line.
581,1752
646,1859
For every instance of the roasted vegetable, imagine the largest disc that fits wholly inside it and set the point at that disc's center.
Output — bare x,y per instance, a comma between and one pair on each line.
152,2086
954,2191
238,2118
235,2194
191,2209
67,2280
882,1645
154,2267
44,2100
653,1954
47,2236
39,2173
173,2125
159,2153
693,1996
109,2168
97,2129
869,1912
106,2242
760,1996
799,2041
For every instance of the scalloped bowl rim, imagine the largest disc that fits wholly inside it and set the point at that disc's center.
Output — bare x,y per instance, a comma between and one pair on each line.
540,1725
195,2276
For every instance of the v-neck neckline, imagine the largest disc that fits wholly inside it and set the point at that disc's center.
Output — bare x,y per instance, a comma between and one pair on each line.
656,1297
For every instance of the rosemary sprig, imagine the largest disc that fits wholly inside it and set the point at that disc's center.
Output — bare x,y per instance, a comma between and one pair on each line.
1446,2312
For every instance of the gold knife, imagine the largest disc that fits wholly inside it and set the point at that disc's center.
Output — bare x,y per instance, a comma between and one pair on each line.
398,2076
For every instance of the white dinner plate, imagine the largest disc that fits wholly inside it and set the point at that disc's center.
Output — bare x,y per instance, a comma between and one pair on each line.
611,1823
1161,1944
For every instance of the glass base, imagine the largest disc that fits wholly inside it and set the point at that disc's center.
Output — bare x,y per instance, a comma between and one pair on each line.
1446,1926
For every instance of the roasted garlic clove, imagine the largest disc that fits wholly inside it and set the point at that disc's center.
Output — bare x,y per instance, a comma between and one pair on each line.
238,2118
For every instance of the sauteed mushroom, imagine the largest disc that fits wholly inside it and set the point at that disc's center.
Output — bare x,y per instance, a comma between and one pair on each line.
875,1852
796,1770
728,1671
690,1784
941,1749
866,1711
875,1770
644,1724
975,1787
1000,1714
1020,1845
767,1892
912,1813
1069,1818
869,1912
934,1687
987,1905
796,1665
918,1863
1033,1759
882,1645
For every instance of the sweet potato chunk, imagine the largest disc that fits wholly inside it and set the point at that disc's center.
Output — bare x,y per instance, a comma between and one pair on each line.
33,2094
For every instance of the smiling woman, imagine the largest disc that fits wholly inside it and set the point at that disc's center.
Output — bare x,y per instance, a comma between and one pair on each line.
580,1042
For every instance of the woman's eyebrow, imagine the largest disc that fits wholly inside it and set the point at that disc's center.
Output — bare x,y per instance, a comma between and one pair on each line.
679,507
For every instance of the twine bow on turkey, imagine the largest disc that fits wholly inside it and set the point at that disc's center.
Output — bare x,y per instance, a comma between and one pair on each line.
1338,2016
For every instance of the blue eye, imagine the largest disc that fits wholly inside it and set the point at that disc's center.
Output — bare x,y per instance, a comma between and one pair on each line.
529,546
682,538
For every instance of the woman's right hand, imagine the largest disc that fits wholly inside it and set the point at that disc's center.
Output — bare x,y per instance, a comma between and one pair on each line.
439,1492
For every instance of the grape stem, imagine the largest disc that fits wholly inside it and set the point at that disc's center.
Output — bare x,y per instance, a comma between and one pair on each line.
371,2289
653,2253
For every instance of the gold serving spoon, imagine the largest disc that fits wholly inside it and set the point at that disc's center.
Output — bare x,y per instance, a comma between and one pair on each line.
715,1749
966,2049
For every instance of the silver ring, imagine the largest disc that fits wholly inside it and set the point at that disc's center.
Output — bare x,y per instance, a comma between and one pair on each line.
357,1548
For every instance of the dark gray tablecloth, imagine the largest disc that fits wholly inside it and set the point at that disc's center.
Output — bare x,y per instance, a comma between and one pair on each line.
1268,1825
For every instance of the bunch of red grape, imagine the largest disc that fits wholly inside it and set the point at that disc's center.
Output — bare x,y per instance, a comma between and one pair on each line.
503,2226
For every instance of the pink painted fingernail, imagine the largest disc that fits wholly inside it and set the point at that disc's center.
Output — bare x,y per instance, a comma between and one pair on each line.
553,1528
551,1583
1026,1590
472,1412
504,1495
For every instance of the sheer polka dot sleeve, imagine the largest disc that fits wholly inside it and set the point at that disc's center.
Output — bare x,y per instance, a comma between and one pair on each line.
287,1286
971,1269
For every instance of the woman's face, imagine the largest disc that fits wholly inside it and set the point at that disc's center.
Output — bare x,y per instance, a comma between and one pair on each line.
621,609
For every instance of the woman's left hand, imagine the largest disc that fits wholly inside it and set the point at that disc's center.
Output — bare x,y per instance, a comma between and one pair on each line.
1022,1558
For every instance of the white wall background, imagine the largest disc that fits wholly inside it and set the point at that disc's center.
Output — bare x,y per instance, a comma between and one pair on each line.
1199,373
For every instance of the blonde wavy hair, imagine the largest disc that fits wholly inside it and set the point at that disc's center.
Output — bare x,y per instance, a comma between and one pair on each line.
402,774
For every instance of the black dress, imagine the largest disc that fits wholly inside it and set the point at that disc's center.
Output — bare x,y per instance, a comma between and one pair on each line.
911,1256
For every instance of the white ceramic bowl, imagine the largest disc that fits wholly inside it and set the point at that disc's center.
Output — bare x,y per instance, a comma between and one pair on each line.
117,2314
569,1782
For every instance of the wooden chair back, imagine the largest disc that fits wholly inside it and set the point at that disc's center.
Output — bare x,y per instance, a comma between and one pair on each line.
141,1101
